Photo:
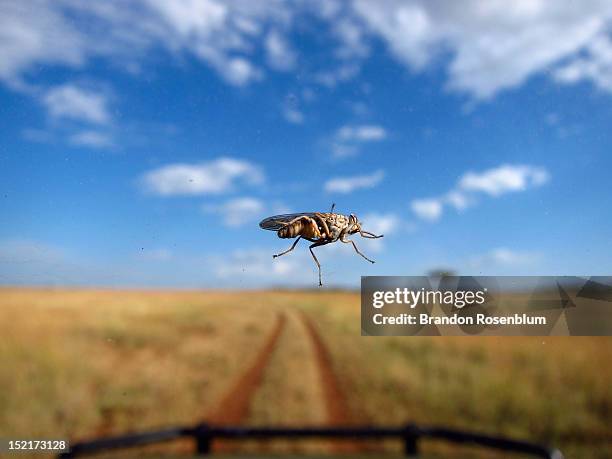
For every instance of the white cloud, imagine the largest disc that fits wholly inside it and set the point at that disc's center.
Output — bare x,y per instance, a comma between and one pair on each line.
352,38
458,200
331,78
406,27
427,209
362,133
238,71
347,139
238,212
380,223
212,177
350,184
279,55
72,102
504,179
222,34
493,45
505,257
494,182
293,115
27,39
342,150
509,257
92,139
190,18
487,46
291,108
76,103
595,65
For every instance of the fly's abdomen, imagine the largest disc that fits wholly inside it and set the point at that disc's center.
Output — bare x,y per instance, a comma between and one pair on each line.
290,231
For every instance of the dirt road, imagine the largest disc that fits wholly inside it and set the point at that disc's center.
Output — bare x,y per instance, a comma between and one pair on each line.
314,397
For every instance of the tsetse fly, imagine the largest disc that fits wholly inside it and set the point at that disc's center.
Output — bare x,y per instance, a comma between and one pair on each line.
318,228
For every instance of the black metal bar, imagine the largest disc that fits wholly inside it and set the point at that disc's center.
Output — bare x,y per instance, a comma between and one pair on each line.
238,433
126,441
410,434
411,440
203,439
501,443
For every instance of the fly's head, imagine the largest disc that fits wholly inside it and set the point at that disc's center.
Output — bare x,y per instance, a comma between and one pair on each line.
353,225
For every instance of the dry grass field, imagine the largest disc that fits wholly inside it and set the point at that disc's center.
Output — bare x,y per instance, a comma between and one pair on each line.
84,363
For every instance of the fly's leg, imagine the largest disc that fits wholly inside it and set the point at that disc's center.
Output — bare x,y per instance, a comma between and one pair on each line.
312,246
289,249
314,222
369,235
356,249
323,224
332,208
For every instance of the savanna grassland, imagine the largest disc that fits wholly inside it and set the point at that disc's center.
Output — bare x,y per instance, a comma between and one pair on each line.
83,363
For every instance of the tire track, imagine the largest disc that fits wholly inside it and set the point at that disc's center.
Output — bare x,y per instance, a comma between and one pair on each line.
290,395
234,407
338,410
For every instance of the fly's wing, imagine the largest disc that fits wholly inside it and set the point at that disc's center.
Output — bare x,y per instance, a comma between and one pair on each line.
278,221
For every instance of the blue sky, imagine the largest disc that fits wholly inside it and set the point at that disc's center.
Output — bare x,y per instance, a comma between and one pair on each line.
141,145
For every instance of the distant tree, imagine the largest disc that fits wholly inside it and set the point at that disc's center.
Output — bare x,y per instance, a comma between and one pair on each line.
441,272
